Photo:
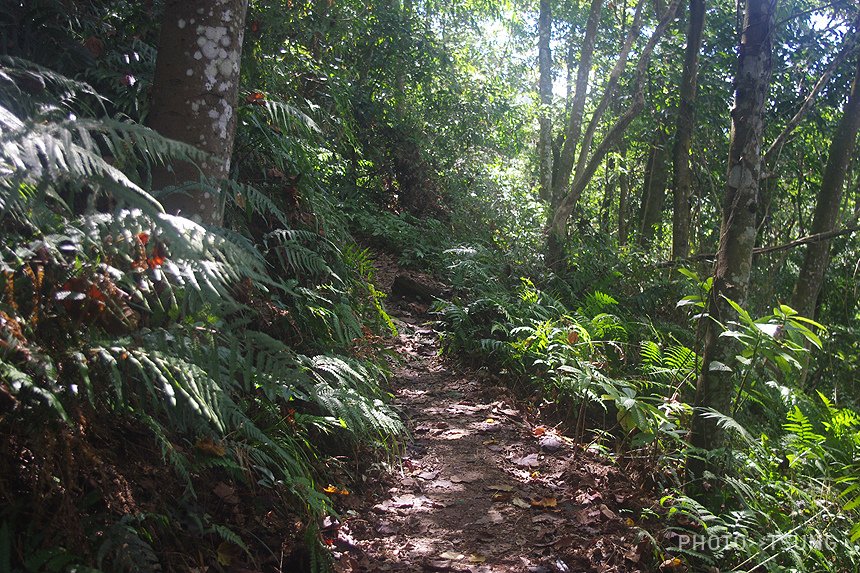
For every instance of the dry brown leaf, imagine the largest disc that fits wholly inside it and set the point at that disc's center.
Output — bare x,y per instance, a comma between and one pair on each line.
539,431
452,555
672,563
529,461
209,446
545,502
334,490
475,558
521,503
607,513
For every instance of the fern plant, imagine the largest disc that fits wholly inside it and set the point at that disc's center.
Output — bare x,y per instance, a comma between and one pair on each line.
114,308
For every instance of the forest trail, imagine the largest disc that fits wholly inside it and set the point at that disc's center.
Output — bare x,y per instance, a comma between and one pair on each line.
483,487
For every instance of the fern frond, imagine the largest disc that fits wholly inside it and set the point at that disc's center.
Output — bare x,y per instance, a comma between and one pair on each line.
730,424
288,117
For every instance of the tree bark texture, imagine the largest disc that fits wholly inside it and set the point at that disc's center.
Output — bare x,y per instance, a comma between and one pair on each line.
623,196
738,230
606,99
682,175
827,204
545,88
194,97
654,190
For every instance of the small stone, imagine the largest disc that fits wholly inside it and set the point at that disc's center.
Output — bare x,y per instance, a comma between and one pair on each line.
550,443
529,461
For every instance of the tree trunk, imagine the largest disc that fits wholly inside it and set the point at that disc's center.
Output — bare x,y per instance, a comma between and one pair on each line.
623,197
827,204
608,195
682,175
557,227
577,107
405,11
738,230
194,98
606,99
654,191
545,88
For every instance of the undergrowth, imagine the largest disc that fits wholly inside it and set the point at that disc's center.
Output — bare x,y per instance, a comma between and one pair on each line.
624,385
244,358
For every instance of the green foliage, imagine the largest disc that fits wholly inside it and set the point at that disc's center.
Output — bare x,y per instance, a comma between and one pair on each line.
409,126
197,337
788,510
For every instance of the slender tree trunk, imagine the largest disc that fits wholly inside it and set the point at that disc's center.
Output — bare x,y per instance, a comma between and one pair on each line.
577,106
738,230
815,261
405,12
682,175
623,197
545,88
194,97
856,217
608,195
606,99
654,191
587,165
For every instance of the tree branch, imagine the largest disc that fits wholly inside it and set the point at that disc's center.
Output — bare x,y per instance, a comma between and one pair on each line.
775,147
586,170
577,105
817,238
608,91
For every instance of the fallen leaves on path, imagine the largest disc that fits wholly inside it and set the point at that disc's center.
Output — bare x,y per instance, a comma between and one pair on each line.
524,498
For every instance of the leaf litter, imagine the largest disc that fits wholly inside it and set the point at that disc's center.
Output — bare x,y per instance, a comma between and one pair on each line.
523,499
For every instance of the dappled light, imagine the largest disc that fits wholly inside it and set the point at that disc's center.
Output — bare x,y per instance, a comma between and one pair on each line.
417,286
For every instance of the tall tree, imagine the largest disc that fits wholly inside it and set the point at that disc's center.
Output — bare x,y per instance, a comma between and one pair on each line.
827,205
194,97
588,162
654,189
545,88
738,228
577,104
623,194
682,175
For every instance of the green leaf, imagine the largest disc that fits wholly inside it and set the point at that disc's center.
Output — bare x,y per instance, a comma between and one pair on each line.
808,321
743,314
717,366
853,504
785,310
691,300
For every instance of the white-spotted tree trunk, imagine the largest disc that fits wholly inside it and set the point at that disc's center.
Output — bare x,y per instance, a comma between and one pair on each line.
194,98
714,388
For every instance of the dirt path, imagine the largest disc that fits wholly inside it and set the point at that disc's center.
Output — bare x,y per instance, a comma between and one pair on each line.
484,489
